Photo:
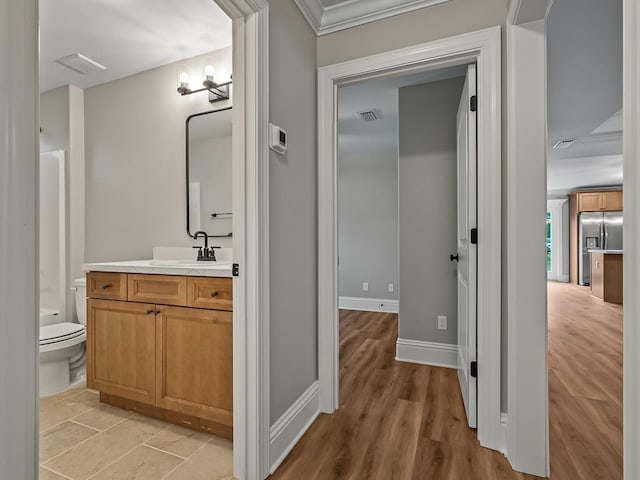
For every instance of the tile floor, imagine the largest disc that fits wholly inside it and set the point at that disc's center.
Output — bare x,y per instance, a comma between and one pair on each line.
82,439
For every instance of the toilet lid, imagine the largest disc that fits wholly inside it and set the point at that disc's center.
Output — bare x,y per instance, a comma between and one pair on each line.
59,332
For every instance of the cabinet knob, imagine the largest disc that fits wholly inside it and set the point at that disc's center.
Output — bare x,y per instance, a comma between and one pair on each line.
214,294
106,286
150,311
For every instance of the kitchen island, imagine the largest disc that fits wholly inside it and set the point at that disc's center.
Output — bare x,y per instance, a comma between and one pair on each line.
606,275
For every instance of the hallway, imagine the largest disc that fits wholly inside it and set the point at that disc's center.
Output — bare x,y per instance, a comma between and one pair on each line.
585,385
406,421
396,420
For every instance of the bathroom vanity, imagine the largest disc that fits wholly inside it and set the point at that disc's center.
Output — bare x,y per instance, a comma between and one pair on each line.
159,341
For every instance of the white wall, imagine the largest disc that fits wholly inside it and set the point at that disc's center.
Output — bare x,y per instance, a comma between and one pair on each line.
210,165
292,207
18,239
368,224
62,123
135,161
428,210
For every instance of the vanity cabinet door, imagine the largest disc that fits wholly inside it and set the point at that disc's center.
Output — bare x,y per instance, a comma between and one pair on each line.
121,357
194,370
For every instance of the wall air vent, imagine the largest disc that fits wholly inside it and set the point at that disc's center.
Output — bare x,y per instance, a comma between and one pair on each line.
563,144
370,115
79,63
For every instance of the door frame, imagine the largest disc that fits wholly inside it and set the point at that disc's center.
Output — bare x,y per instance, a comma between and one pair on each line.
18,277
484,48
528,443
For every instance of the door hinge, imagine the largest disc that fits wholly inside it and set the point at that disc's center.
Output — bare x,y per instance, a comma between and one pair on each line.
473,371
474,103
474,236
235,270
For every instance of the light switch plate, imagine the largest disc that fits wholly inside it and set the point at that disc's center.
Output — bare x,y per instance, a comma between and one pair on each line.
365,286
442,322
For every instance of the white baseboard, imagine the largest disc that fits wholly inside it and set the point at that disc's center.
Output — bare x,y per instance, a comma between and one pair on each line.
504,419
427,353
368,304
290,427
563,278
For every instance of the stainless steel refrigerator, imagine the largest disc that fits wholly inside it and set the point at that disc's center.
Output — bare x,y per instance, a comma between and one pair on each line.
598,231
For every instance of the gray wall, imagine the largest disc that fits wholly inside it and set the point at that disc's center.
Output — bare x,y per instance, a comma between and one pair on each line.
293,209
135,162
368,224
62,123
428,209
423,25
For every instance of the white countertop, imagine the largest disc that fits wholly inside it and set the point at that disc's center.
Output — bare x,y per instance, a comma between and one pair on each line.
190,268
608,252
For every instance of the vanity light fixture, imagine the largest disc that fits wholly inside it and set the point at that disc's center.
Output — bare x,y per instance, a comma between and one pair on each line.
218,92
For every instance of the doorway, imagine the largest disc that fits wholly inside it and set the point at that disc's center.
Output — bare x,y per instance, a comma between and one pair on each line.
481,48
585,219
19,283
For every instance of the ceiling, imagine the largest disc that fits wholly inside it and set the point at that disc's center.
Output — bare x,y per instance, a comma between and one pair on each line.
357,136
127,37
584,93
326,16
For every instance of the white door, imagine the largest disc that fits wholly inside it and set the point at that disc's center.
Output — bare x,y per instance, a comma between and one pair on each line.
467,249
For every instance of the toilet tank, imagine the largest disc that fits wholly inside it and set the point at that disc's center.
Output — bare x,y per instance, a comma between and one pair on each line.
80,285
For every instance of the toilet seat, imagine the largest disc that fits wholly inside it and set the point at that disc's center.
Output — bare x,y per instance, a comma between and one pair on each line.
61,335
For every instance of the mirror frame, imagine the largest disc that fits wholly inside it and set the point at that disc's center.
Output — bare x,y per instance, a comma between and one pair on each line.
225,109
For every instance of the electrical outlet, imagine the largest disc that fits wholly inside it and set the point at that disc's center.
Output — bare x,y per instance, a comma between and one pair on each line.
365,286
390,287
442,322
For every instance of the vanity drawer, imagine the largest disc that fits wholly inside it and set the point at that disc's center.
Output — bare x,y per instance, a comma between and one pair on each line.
107,285
162,289
211,293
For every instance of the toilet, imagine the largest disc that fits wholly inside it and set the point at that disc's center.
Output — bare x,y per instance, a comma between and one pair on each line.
63,346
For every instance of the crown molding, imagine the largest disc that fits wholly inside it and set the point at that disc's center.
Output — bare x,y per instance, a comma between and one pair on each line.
352,13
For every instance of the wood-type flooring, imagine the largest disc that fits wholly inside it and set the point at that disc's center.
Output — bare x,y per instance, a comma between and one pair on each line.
400,421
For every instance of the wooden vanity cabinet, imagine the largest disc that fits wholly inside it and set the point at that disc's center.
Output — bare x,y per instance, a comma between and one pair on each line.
166,360
194,354
121,349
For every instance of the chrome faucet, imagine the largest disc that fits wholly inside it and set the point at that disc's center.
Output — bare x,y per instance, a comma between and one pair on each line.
206,253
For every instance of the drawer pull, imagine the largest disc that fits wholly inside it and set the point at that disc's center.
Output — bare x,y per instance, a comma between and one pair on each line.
214,294
157,312
106,286
150,311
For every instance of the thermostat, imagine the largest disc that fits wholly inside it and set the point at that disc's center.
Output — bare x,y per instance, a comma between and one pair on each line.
278,141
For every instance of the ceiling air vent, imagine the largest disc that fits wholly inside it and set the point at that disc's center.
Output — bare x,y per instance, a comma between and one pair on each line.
370,115
563,144
79,63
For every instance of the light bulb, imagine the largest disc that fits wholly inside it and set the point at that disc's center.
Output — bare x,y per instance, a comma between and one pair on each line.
208,71
184,79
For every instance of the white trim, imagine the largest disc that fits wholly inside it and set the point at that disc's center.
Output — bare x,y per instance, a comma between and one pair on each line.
563,278
427,353
504,420
19,237
292,425
527,432
482,47
349,14
631,192
556,208
368,304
